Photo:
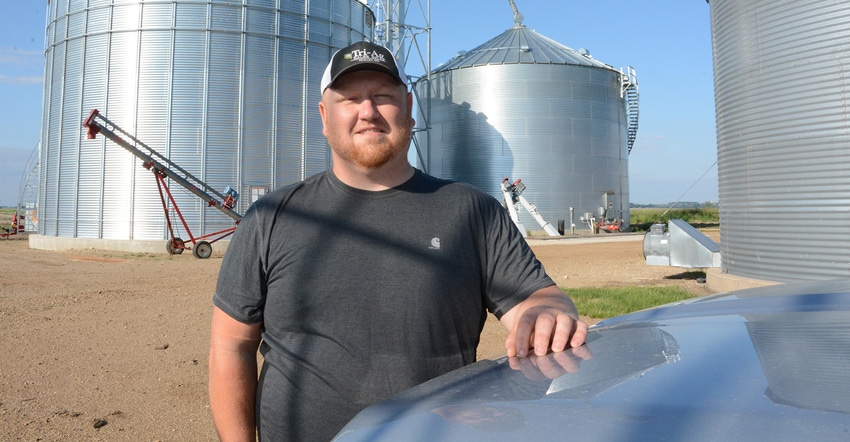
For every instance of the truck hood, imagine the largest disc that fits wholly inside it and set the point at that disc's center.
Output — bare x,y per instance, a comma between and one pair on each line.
756,364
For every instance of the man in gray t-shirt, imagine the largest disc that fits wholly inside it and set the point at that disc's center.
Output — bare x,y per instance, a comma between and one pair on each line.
369,278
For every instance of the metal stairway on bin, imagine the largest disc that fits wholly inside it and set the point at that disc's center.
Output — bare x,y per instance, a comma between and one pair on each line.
629,91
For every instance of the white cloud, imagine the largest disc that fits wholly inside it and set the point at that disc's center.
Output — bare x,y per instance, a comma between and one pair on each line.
22,79
20,66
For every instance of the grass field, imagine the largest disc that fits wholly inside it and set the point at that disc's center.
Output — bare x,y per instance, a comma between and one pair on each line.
643,219
6,214
606,302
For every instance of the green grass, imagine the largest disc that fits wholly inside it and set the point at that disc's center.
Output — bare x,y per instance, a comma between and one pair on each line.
642,219
6,215
605,302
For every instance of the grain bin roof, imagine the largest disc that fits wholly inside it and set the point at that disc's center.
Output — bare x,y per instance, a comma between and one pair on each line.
519,45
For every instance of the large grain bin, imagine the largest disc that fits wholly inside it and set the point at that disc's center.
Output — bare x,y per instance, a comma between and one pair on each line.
783,137
228,90
526,107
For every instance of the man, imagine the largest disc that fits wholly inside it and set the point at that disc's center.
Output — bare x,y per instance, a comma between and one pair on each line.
369,278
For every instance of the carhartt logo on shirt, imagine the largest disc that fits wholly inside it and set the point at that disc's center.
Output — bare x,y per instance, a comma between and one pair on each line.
435,244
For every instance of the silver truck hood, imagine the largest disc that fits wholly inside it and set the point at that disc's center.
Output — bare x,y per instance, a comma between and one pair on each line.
756,364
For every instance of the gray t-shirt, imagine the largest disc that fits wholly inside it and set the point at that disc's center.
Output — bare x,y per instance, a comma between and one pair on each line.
365,294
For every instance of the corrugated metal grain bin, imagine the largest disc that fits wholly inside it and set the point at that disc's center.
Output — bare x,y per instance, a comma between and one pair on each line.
783,137
225,89
526,107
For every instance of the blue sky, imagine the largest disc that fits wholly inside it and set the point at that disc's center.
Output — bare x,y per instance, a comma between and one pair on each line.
668,42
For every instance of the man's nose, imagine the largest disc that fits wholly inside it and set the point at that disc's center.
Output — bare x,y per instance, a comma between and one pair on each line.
368,109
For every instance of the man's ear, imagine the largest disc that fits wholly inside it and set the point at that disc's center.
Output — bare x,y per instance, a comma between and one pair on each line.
322,112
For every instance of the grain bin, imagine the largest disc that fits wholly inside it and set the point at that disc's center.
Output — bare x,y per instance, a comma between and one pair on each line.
526,107
226,89
783,137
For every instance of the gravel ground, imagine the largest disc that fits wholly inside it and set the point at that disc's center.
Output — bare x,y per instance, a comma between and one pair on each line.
113,346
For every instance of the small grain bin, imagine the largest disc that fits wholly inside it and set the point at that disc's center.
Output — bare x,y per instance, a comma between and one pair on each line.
526,107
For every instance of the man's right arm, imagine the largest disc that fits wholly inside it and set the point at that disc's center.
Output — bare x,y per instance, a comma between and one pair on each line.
233,376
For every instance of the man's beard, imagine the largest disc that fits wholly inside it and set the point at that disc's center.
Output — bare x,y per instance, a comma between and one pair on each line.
375,155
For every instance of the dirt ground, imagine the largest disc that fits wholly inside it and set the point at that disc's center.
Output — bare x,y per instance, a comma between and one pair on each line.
106,346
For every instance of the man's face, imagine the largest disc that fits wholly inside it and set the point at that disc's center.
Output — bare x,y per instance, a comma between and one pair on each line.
366,117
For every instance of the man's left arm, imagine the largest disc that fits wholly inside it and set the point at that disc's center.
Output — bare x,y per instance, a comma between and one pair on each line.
546,320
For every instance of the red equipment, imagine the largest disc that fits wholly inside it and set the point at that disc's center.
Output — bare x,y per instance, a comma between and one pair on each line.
11,230
612,225
156,163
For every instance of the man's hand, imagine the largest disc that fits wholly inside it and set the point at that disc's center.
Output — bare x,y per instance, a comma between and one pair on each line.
547,320
552,365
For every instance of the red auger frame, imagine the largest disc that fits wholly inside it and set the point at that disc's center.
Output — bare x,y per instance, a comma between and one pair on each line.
156,163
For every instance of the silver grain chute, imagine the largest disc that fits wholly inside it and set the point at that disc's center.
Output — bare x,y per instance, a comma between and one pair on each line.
678,244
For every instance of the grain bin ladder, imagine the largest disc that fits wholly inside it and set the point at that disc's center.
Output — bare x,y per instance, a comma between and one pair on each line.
163,168
629,92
